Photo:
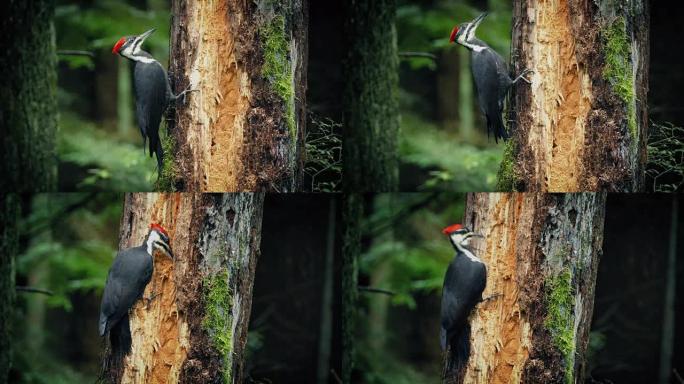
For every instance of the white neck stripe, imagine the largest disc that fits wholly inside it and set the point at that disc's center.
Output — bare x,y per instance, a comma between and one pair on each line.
468,254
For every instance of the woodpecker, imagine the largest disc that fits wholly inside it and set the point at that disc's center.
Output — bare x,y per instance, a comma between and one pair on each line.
464,283
153,92
492,80
126,282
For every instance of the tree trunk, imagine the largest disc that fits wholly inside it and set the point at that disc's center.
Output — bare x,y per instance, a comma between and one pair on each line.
582,123
371,122
9,243
541,252
28,90
243,130
352,213
195,330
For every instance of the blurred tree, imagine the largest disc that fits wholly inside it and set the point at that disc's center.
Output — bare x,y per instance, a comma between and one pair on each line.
542,254
9,244
371,114
243,129
352,211
581,125
28,93
195,330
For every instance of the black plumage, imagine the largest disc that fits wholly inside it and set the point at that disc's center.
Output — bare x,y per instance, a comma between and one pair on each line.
128,276
152,96
464,283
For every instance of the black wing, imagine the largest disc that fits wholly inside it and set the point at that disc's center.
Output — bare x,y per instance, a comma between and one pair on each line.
129,275
150,100
463,295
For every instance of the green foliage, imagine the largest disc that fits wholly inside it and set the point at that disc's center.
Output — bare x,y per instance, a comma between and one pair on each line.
666,157
404,231
323,145
277,68
76,245
457,166
218,319
618,70
113,165
559,320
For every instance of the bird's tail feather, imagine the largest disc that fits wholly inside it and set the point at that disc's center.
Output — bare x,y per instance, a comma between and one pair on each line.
160,157
119,346
458,355
497,126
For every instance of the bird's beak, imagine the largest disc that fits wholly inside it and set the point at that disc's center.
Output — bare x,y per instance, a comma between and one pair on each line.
478,20
145,35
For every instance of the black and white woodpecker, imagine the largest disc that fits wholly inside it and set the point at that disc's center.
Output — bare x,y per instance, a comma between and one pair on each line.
492,80
152,88
128,276
464,282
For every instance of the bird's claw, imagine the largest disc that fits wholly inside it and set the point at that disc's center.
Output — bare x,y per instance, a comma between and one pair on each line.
182,94
522,76
148,300
491,297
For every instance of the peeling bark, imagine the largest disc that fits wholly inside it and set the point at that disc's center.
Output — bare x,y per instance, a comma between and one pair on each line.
582,123
243,129
542,253
195,329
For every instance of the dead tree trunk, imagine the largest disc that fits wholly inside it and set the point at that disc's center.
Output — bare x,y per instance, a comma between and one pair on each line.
243,129
195,330
582,123
542,253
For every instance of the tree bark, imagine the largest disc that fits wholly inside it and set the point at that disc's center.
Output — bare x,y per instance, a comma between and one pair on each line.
243,130
195,330
28,90
542,253
9,243
371,113
352,213
582,123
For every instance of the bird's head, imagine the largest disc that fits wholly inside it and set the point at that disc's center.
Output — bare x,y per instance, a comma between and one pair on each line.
129,46
465,32
459,235
158,239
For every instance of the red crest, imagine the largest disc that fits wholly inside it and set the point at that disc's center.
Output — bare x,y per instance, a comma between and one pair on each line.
118,45
451,229
453,34
159,228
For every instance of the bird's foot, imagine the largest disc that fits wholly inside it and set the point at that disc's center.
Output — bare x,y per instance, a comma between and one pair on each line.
492,297
148,300
522,76
182,94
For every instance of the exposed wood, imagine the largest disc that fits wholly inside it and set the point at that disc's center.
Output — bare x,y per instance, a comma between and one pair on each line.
541,253
243,129
195,329
582,123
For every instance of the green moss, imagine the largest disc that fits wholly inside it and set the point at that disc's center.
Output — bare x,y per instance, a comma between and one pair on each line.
278,69
507,177
617,69
166,181
218,319
559,320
